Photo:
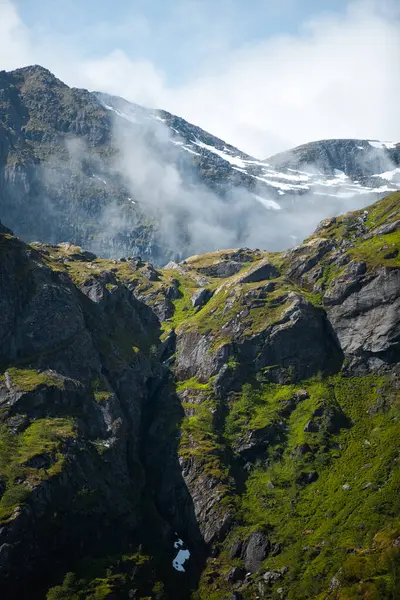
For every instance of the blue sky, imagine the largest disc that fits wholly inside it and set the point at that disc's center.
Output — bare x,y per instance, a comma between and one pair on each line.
171,33
264,75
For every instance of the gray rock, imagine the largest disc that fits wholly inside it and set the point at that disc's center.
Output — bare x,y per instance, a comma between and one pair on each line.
235,574
221,269
201,297
173,292
274,575
311,427
235,551
260,272
301,450
348,283
306,256
307,478
367,323
195,357
385,229
255,442
150,273
255,551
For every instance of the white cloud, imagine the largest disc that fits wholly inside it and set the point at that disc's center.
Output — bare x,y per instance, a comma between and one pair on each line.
338,77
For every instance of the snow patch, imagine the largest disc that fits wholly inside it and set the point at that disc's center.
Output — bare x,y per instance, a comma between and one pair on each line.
382,145
393,175
233,160
340,175
287,177
182,556
191,151
282,186
129,118
99,179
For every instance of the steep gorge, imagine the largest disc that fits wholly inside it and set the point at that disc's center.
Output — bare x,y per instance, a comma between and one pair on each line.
245,402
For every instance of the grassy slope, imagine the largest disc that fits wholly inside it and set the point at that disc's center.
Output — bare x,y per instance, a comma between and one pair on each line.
324,529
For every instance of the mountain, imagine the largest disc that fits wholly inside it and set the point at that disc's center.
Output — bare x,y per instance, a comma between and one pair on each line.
363,161
123,180
225,427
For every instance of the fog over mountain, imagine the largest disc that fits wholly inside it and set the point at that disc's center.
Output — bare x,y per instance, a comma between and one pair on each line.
121,179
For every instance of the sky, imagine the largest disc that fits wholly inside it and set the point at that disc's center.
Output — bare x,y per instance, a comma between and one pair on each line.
264,75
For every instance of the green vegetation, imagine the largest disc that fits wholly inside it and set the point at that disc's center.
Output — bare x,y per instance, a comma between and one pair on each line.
342,524
201,442
28,379
378,251
30,457
384,211
255,408
357,230
100,391
108,578
192,384
239,304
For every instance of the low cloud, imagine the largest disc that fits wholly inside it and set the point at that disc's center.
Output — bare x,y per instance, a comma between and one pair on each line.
335,77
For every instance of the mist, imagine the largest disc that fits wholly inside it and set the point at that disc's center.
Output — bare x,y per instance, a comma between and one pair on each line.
190,218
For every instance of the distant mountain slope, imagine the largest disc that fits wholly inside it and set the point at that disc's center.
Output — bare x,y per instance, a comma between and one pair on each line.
358,159
351,166
121,179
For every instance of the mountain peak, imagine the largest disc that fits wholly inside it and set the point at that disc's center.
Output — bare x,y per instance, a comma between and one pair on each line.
37,74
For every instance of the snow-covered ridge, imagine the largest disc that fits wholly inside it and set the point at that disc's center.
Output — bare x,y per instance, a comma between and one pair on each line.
267,182
381,145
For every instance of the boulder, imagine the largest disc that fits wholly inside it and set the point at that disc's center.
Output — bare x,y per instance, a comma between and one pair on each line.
235,550
261,272
301,450
235,574
255,442
347,283
385,229
150,273
306,256
274,575
256,549
201,297
306,478
173,292
222,269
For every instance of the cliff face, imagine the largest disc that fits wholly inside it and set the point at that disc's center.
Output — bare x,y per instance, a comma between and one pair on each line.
245,402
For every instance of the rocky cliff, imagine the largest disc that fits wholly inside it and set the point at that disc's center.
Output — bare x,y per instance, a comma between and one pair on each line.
242,403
